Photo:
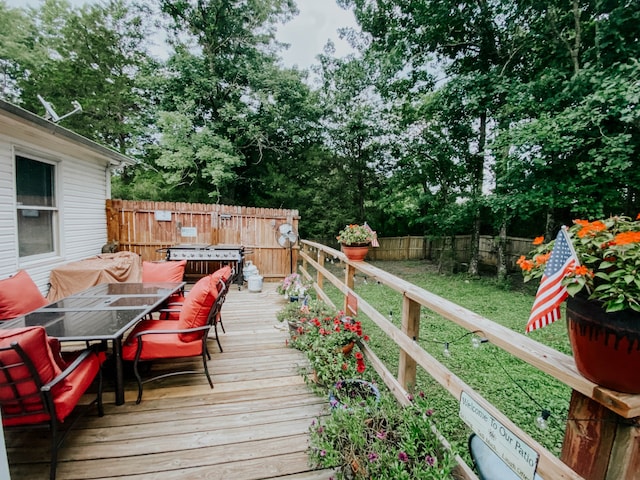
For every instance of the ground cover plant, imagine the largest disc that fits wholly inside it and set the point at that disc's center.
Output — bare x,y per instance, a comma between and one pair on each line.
366,434
517,389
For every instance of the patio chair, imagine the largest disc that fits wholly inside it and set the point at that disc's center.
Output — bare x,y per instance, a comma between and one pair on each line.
172,310
166,271
169,271
19,295
38,387
185,337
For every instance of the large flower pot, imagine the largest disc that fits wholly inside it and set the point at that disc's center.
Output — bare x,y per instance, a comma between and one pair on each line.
353,392
606,346
356,252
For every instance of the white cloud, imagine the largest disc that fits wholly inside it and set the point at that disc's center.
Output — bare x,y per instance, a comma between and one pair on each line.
307,33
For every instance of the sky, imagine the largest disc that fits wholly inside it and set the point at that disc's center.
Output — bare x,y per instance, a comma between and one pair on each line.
307,33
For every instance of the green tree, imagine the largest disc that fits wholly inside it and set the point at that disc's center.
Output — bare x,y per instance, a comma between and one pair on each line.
91,55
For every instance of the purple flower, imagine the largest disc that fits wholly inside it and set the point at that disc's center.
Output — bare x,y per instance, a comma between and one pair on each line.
403,457
429,412
429,460
373,457
320,429
333,402
410,397
381,435
323,453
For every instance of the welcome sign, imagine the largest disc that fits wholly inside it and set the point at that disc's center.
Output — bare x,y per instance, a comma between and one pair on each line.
513,451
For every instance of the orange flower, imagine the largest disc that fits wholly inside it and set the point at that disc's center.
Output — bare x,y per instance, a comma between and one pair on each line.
542,259
583,271
538,240
638,217
525,264
590,228
625,238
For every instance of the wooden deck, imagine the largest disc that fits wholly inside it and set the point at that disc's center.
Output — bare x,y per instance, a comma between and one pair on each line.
252,425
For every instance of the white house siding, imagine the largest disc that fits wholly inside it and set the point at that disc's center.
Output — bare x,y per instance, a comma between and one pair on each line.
8,240
82,188
83,206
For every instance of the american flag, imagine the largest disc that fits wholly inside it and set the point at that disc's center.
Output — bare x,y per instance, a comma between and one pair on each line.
374,235
551,292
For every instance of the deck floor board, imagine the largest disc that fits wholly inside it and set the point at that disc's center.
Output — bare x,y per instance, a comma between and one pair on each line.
252,425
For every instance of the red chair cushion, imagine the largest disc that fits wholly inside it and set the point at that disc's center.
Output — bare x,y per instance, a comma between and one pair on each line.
224,273
33,340
19,295
77,384
163,271
176,301
162,345
196,307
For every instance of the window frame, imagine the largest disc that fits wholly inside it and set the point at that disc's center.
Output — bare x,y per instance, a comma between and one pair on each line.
54,209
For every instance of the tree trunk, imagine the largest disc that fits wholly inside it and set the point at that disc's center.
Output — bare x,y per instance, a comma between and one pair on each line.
477,179
502,252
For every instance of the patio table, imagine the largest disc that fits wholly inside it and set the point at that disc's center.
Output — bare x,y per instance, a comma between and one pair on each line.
103,313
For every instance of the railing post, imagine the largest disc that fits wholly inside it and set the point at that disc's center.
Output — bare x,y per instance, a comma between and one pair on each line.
319,276
411,327
349,274
588,442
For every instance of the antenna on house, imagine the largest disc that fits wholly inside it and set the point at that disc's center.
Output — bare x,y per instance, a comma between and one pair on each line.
51,113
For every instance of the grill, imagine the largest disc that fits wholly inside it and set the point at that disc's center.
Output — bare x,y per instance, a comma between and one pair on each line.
225,254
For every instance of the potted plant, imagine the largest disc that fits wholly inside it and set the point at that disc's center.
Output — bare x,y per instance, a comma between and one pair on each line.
327,337
355,241
298,315
603,307
384,442
329,344
293,287
353,392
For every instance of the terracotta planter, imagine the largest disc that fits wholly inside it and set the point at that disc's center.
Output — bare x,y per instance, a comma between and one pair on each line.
606,346
356,252
346,349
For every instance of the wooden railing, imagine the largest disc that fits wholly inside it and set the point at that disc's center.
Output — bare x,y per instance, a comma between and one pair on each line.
591,450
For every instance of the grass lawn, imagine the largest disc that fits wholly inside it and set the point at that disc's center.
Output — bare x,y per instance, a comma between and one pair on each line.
517,389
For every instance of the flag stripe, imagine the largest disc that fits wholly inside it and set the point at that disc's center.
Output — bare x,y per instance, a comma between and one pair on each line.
551,293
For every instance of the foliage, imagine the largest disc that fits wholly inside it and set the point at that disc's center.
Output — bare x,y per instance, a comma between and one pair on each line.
514,387
352,393
293,286
353,233
296,312
321,332
95,55
385,441
609,254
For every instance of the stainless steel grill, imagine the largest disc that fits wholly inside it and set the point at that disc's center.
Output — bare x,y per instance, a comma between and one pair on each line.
196,251
199,252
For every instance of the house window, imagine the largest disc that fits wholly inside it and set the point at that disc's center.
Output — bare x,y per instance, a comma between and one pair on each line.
36,206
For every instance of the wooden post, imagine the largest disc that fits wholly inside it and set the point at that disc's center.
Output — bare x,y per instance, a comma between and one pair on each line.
349,273
411,327
624,463
589,436
319,277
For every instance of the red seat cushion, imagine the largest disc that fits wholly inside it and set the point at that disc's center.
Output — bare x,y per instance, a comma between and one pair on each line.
163,271
34,341
196,307
162,345
19,295
175,302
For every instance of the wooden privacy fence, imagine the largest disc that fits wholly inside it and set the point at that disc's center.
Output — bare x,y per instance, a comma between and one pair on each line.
146,227
593,450
456,249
